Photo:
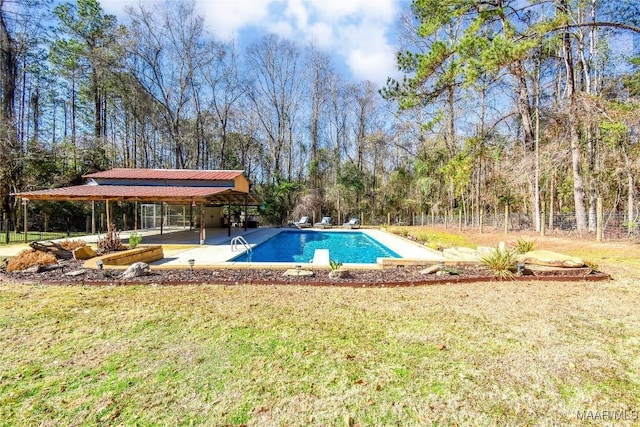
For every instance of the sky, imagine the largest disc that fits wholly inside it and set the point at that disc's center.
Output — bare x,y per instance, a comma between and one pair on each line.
359,35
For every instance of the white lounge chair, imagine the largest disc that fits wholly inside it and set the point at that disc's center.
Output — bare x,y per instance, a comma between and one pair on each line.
353,223
303,223
325,223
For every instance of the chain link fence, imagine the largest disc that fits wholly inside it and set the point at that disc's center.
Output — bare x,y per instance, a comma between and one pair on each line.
9,234
616,226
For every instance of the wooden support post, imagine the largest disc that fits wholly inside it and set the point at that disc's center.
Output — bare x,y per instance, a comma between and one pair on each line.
24,214
202,228
246,208
93,217
135,215
229,217
460,221
108,213
193,203
481,220
161,217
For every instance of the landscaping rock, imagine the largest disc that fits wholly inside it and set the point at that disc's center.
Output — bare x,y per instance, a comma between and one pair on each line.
430,270
84,252
298,273
547,271
340,274
75,273
137,269
33,269
551,259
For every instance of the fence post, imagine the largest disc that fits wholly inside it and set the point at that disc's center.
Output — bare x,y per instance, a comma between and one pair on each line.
506,218
543,222
5,223
460,220
599,220
481,219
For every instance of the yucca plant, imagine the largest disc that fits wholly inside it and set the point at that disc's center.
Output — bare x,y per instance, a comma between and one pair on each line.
500,262
523,245
334,265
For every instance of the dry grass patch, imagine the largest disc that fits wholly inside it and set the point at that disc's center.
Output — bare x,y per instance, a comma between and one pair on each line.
28,258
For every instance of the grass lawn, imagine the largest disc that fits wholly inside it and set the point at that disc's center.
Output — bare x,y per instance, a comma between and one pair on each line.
475,354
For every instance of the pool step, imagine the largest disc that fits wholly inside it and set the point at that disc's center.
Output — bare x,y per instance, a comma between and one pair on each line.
321,257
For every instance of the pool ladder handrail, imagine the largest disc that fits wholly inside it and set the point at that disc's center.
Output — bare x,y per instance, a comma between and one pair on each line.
242,241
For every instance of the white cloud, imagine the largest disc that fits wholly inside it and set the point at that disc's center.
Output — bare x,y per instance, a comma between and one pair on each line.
297,10
374,66
225,18
322,35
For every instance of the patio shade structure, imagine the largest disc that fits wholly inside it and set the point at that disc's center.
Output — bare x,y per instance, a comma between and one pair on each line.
171,186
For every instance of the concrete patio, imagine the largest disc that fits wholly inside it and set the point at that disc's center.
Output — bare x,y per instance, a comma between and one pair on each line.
182,245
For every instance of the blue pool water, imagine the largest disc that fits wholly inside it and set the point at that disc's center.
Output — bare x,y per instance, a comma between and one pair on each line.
300,246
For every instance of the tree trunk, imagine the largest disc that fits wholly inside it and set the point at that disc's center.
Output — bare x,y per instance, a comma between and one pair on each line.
10,168
574,129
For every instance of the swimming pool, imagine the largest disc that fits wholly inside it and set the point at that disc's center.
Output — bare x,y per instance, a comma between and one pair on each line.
300,245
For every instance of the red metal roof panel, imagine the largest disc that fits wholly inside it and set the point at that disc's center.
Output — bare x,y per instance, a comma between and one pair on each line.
127,191
166,174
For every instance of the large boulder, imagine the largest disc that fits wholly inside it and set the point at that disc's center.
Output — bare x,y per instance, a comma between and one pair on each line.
84,252
137,269
545,270
551,259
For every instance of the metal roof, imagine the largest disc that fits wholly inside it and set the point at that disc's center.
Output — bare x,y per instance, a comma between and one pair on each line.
141,193
167,174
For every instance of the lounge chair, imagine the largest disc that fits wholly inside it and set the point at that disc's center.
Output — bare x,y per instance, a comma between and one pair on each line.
325,223
353,223
303,223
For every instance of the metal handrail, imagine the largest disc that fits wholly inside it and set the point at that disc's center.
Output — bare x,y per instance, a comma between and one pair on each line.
239,240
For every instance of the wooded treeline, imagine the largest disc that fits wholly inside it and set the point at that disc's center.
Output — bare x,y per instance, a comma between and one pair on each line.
526,103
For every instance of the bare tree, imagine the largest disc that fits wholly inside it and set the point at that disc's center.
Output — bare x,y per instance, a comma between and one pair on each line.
165,55
275,92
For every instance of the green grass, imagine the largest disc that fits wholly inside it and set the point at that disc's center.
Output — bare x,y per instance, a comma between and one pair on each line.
33,236
481,354
432,237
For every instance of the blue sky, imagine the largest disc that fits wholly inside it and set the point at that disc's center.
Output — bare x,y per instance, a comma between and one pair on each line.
360,35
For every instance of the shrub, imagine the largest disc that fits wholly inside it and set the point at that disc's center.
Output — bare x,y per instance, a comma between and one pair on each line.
523,245
134,239
500,262
334,265
71,245
592,265
29,258
422,237
111,241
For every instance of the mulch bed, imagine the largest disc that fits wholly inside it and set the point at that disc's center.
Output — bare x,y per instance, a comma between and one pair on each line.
404,276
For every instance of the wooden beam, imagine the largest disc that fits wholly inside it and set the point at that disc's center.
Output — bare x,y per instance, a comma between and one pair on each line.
229,226
108,210
202,227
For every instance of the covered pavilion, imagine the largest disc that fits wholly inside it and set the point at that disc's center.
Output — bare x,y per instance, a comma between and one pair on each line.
203,188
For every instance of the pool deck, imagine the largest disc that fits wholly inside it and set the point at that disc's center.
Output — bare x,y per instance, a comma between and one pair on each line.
180,246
